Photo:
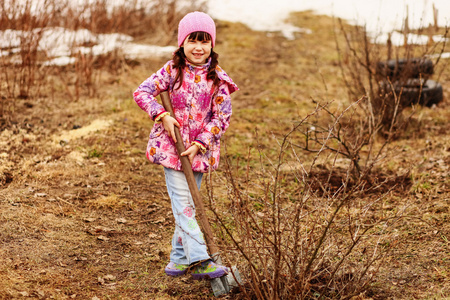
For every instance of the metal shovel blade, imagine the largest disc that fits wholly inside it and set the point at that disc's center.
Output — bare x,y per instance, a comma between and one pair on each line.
219,286
224,284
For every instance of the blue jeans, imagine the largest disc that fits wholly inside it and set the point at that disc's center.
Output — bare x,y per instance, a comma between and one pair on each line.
188,244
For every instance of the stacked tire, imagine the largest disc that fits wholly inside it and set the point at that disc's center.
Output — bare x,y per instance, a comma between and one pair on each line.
410,80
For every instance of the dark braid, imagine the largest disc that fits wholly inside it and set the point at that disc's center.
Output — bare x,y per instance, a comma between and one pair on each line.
212,74
179,61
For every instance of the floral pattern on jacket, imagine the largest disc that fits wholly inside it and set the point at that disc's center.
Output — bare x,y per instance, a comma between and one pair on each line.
202,110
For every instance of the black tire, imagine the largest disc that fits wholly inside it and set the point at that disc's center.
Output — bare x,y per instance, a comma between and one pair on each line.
405,68
416,91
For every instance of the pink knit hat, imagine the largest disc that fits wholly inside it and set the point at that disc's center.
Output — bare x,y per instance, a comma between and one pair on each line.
196,21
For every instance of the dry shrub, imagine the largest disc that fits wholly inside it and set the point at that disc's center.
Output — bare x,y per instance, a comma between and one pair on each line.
302,236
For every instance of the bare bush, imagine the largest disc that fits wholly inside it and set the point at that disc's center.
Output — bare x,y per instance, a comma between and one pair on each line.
314,227
305,227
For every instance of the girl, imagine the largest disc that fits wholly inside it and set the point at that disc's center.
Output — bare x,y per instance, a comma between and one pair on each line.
200,94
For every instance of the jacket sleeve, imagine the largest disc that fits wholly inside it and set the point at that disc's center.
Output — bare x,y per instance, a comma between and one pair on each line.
221,114
145,94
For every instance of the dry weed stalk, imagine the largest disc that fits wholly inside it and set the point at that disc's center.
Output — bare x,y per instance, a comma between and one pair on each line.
24,74
20,73
303,236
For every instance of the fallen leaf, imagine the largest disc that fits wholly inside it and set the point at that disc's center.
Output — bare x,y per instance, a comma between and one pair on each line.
104,229
80,258
153,236
185,279
109,277
40,293
260,214
160,220
89,220
62,264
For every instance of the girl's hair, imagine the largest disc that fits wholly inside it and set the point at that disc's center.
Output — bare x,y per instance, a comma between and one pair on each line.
179,60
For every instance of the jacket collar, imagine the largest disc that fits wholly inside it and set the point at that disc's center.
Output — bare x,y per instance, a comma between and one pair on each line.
192,67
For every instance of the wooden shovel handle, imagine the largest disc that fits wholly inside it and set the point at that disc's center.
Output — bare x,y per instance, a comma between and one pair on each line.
187,170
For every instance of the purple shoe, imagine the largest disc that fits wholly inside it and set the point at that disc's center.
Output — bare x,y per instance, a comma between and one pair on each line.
173,269
209,269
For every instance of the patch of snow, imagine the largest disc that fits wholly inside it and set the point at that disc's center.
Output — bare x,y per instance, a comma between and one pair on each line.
378,16
60,61
59,44
9,38
258,15
135,51
438,55
398,39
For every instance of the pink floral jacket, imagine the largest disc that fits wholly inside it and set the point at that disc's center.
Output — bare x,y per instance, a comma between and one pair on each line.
203,112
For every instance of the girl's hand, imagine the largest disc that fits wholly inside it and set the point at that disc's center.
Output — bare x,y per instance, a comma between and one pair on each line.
169,124
191,152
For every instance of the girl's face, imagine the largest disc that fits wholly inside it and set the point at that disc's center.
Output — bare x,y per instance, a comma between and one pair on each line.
197,51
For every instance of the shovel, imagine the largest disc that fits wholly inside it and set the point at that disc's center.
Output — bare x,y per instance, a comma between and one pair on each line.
225,283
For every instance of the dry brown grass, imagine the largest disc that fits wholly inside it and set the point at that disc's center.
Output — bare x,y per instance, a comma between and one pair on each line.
75,213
